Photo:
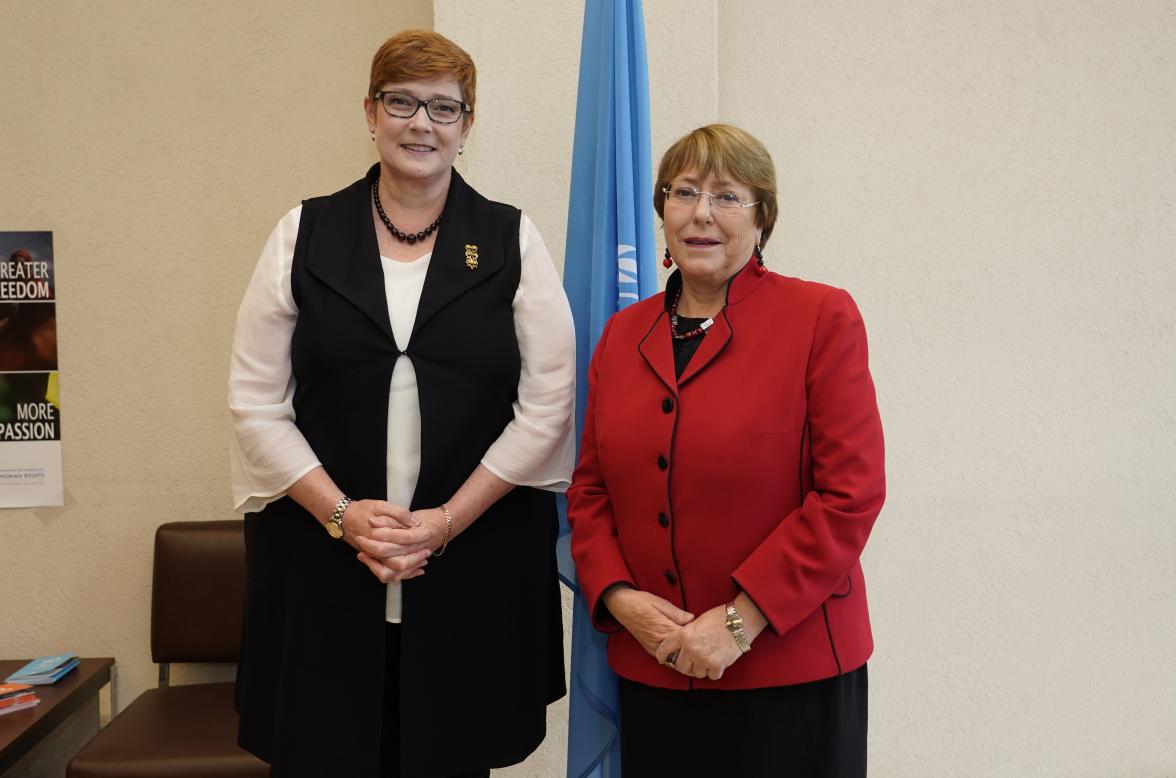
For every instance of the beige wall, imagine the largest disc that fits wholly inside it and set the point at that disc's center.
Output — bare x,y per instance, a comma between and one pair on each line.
160,142
994,182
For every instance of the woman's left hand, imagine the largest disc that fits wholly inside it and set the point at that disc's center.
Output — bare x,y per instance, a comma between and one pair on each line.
704,647
432,521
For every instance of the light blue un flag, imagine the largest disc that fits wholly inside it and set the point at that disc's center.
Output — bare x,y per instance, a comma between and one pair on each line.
608,264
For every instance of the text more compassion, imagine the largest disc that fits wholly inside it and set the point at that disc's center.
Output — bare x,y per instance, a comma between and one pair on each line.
35,421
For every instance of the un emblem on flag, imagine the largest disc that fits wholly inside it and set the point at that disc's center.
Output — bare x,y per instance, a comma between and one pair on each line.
626,275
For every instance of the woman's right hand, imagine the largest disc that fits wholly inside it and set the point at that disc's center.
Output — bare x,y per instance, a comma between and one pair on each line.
647,617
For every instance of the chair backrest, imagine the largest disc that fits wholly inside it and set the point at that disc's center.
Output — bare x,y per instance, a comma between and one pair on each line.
198,592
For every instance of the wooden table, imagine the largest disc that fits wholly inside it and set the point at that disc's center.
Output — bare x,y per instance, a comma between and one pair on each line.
20,732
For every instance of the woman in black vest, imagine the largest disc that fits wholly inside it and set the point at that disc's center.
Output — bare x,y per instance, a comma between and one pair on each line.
401,390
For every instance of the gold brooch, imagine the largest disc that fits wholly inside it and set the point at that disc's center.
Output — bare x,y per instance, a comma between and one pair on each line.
471,257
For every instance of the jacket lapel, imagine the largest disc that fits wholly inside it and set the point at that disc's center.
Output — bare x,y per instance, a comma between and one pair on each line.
721,332
717,338
449,275
658,351
344,254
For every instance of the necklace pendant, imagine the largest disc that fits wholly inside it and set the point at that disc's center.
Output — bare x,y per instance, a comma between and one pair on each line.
471,256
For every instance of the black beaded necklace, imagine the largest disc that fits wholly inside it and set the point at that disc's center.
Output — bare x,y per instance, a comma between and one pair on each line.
694,333
409,238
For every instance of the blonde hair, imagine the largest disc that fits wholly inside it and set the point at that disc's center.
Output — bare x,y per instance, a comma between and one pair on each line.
723,150
425,54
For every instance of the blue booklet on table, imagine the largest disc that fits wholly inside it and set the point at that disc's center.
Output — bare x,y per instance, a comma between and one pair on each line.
45,670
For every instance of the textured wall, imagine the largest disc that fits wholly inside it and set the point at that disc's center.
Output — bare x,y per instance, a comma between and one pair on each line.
994,182
160,142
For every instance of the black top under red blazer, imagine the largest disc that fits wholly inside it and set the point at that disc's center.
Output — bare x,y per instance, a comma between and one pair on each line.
760,469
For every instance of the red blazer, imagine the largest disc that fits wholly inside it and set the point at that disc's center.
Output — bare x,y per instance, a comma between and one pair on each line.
760,469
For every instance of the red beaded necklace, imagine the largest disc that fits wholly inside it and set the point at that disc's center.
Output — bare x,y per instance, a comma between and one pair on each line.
694,333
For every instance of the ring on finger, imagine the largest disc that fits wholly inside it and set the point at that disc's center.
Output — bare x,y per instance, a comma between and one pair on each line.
672,658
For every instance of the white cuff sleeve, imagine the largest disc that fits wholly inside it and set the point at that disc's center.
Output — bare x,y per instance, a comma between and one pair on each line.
268,453
537,448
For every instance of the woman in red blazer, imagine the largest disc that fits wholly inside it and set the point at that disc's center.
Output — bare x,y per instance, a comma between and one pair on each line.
730,470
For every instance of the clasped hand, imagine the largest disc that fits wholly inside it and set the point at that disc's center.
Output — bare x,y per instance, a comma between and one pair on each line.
703,646
393,542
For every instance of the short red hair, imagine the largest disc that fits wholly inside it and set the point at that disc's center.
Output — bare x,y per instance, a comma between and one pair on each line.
414,54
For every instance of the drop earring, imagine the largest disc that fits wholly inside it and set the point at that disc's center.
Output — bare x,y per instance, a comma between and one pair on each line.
667,262
373,135
757,252
460,150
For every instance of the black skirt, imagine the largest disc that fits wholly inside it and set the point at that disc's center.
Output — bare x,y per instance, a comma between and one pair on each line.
814,730
390,729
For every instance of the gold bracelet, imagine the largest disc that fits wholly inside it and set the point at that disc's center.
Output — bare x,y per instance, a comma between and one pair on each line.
448,530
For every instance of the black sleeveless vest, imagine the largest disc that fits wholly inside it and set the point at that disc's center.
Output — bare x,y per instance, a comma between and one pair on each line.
481,644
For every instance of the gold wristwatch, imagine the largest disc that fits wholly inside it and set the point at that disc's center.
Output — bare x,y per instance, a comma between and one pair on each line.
735,627
335,523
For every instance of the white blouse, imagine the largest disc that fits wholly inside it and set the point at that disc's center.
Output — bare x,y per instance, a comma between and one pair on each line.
268,453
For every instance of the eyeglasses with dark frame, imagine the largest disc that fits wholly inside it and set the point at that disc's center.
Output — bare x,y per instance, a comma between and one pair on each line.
688,195
402,105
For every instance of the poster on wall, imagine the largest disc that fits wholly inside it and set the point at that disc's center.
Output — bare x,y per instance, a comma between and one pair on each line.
30,407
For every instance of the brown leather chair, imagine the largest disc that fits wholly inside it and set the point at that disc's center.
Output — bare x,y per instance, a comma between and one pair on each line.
184,731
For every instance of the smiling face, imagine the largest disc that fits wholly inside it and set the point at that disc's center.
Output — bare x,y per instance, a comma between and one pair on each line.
417,148
709,244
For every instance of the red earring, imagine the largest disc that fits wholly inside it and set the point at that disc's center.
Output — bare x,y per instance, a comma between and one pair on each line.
667,262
